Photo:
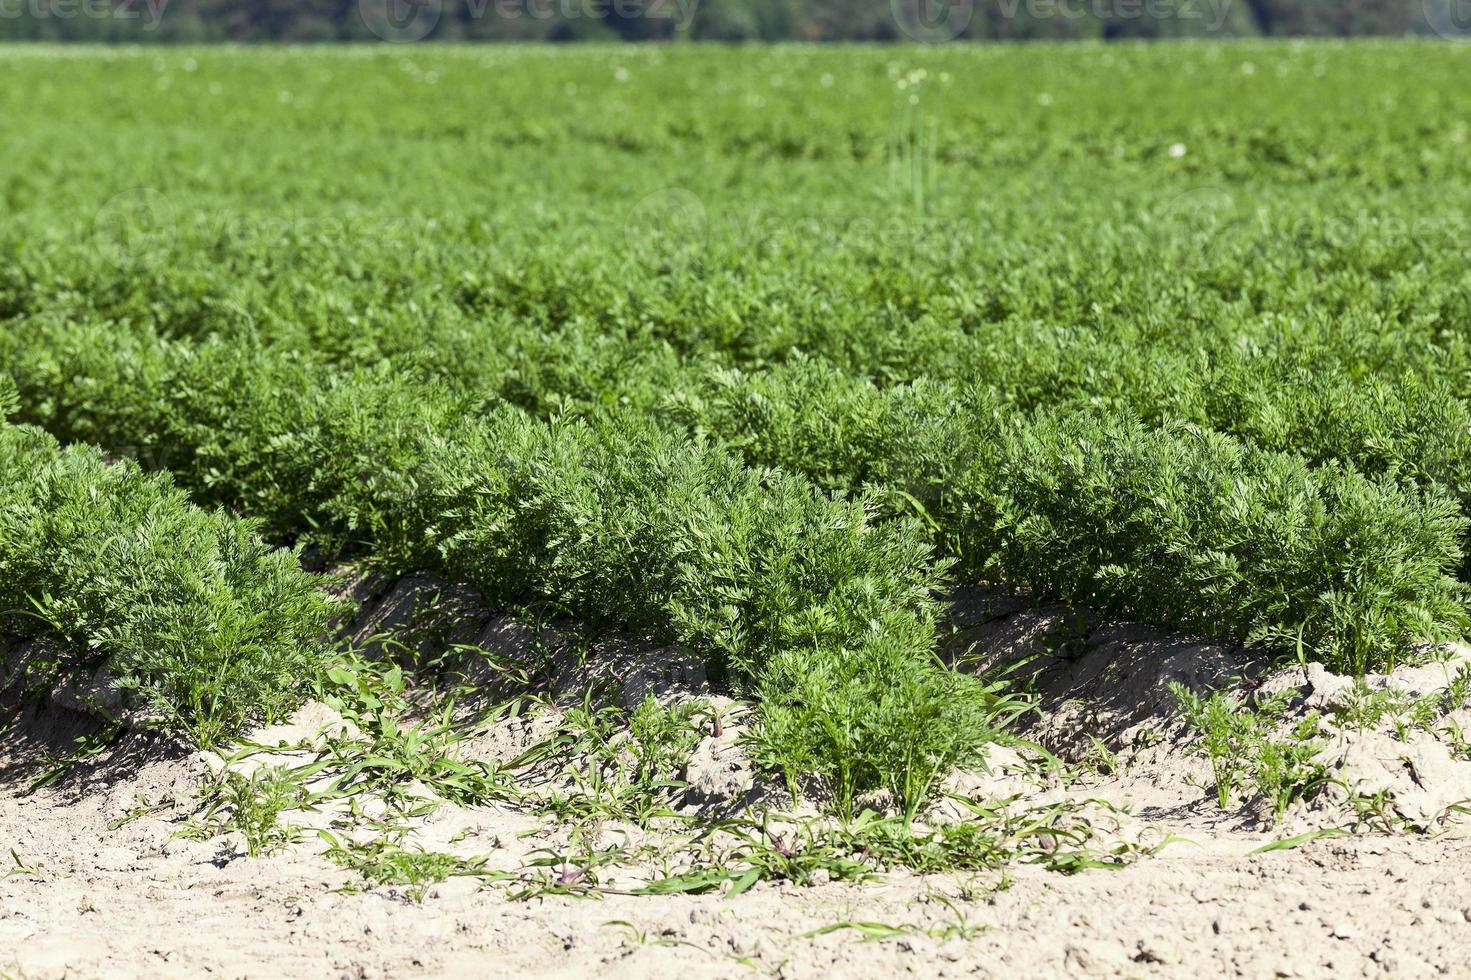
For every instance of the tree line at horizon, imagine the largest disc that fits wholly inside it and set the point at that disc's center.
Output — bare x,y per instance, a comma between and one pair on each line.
191,21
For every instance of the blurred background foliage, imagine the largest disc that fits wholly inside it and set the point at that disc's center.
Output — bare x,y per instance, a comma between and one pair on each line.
186,21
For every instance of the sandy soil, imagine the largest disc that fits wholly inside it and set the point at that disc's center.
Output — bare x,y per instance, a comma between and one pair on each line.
82,897
132,902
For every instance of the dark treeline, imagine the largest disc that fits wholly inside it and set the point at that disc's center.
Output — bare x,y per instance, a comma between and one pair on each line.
729,20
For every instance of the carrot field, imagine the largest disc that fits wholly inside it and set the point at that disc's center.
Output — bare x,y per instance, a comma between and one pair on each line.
758,360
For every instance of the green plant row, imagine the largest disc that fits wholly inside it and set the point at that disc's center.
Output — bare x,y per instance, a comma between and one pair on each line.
899,293
1307,401
1300,115
1326,399
1172,524
1383,399
829,616
1359,374
189,611
1204,366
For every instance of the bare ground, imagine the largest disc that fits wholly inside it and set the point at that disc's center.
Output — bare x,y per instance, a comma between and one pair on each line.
82,896
132,902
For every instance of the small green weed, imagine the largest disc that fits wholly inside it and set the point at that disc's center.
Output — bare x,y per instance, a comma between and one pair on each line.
1362,708
252,806
624,765
1247,754
383,861
20,868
